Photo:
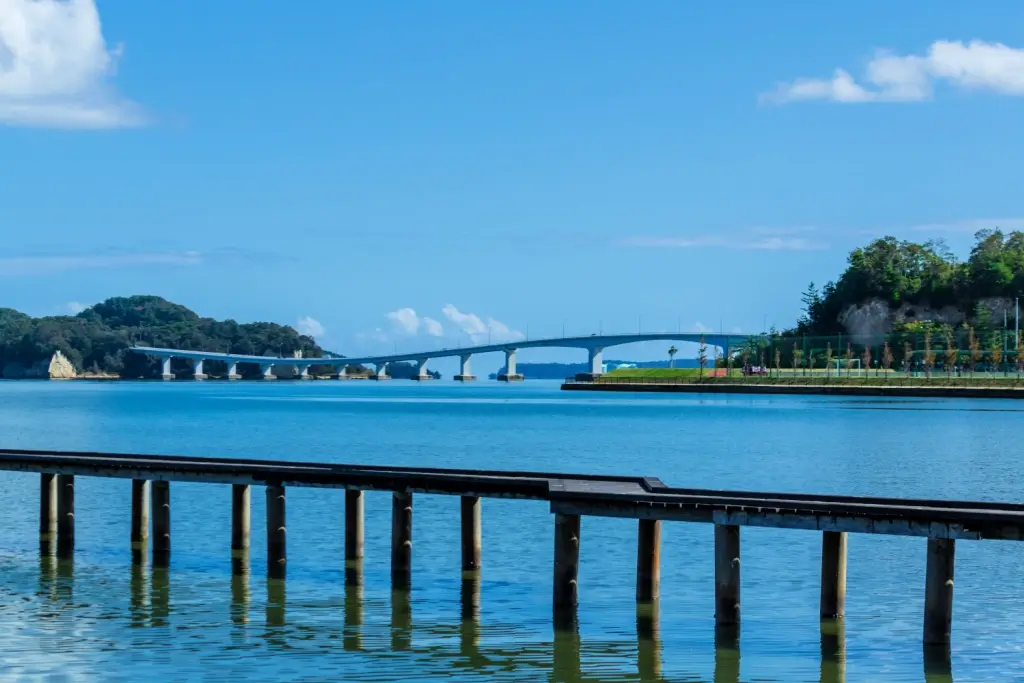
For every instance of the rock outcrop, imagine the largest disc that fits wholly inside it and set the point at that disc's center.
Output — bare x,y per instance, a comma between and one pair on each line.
870,321
61,368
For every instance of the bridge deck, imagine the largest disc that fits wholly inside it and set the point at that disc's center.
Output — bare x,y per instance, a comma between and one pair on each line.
634,497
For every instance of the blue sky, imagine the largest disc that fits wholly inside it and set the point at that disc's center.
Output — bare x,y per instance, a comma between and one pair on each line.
492,168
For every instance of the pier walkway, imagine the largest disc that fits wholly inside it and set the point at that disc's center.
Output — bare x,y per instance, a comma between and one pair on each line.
571,497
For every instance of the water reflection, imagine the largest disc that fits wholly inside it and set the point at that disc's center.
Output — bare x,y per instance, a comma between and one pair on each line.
138,595
648,640
401,620
240,591
352,636
833,651
160,596
566,666
937,665
727,653
469,631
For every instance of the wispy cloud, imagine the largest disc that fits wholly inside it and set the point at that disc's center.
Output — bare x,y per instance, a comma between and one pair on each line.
56,69
407,322
888,77
767,239
310,327
74,307
14,266
971,226
480,330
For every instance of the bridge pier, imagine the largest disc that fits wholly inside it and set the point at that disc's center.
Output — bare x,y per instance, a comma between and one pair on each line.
233,370
833,574
472,534
65,515
47,507
938,591
421,370
465,375
354,531
727,575
267,371
304,372
381,372
241,518
648,560
401,540
277,532
341,372
140,513
165,368
160,501
567,562
197,368
510,374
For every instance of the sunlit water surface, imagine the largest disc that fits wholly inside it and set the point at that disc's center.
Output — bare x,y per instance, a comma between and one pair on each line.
101,617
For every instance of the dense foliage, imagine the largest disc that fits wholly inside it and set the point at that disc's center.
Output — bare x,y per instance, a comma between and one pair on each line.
97,339
902,272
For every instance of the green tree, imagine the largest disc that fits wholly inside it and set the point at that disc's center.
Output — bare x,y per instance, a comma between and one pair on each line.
672,351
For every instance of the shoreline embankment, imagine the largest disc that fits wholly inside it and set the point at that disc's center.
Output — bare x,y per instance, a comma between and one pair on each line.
911,391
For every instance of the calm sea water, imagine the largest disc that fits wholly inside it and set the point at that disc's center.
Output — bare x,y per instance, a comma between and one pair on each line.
99,617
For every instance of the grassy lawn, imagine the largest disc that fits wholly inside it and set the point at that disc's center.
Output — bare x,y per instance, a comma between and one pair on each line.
816,377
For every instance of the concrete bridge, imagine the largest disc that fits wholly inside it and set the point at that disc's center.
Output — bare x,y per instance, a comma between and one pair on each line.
593,344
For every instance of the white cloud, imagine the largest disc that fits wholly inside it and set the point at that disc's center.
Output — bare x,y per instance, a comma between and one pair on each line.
432,327
74,307
479,331
976,65
702,328
404,320
973,225
55,67
762,242
310,327
41,265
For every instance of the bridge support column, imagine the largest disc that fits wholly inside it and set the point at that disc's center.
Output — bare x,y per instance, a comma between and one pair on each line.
510,374
465,375
342,374
165,368
65,515
472,534
241,518
353,526
595,363
938,591
47,507
233,371
160,501
381,372
648,560
401,540
276,532
833,574
304,372
567,562
727,575
197,368
421,370
267,371
140,512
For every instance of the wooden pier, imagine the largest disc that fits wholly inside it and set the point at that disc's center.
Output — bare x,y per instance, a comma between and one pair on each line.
571,497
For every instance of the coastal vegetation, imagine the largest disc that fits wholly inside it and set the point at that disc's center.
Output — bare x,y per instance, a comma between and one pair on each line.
96,341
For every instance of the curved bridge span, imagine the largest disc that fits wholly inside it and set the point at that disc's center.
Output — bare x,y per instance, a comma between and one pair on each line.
593,344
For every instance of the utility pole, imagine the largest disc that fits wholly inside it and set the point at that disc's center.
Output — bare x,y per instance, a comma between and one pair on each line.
639,323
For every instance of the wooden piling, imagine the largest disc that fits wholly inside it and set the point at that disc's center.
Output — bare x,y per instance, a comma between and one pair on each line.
47,506
938,592
276,531
833,574
727,575
472,536
648,560
240,517
65,515
160,506
353,525
140,511
401,540
567,561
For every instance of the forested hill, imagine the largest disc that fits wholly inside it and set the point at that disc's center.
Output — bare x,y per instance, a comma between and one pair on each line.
97,339
891,283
